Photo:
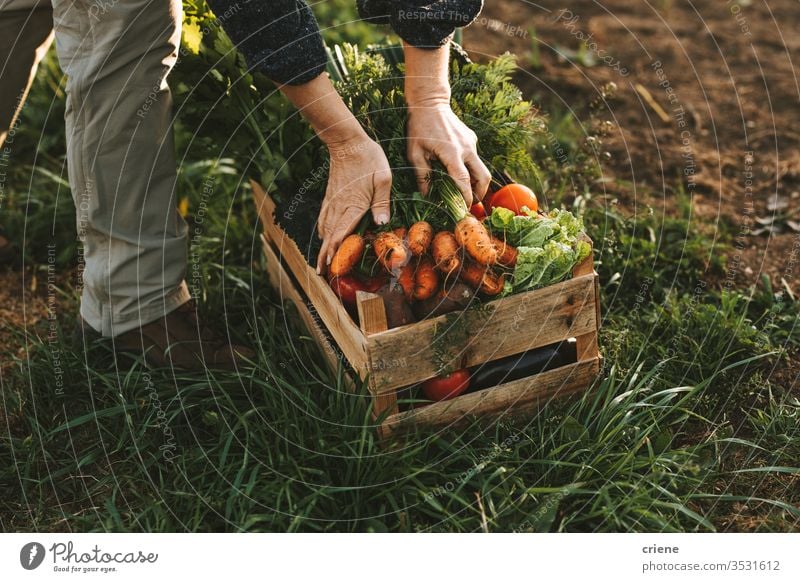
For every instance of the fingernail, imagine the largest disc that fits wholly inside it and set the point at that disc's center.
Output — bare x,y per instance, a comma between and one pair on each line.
382,218
328,260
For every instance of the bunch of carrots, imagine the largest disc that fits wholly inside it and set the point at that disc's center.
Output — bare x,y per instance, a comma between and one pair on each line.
423,263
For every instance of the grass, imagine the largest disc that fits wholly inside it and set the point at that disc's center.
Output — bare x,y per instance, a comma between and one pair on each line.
688,428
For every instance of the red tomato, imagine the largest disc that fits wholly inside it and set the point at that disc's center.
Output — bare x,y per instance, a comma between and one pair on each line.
446,387
478,210
513,197
345,288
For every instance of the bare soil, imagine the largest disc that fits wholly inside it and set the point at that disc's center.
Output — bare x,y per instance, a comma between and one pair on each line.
722,74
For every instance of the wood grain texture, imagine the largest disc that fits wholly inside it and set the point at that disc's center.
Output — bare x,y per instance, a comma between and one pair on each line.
586,344
331,311
407,355
371,312
513,399
372,315
282,282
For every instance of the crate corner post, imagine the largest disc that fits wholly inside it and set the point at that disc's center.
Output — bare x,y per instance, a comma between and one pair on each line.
372,318
587,344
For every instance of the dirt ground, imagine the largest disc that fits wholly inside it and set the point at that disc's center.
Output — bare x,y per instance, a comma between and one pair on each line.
707,96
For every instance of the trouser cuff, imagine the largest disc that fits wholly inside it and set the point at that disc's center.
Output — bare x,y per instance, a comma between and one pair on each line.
104,321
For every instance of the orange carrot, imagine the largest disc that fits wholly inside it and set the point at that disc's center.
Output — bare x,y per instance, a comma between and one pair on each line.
347,255
445,252
406,280
426,279
401,232
482,278
419,238
493,284
506,254
390,251
474,237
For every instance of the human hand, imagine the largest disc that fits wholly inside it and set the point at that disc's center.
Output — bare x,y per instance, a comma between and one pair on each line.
435,132
360,179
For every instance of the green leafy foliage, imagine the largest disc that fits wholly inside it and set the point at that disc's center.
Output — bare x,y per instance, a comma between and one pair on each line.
548,245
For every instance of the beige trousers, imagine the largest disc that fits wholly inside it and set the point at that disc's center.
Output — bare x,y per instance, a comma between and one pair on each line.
120,152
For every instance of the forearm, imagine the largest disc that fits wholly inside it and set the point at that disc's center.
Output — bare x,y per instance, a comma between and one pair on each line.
427,81
280,38
324,109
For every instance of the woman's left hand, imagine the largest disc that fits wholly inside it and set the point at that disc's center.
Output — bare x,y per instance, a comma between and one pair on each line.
435,132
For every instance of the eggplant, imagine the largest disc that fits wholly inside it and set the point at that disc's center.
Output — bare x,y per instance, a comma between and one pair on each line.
523,365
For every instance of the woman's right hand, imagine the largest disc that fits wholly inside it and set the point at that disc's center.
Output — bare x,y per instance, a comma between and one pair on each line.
360,179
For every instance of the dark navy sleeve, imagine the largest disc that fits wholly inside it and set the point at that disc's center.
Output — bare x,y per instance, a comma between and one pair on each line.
419,23
277,37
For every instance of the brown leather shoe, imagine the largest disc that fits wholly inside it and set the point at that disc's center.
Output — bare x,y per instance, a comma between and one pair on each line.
179,340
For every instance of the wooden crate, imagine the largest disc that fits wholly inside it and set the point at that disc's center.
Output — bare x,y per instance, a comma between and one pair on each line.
392,359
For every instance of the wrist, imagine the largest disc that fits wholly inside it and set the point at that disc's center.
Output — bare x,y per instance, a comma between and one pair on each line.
342,134
427,81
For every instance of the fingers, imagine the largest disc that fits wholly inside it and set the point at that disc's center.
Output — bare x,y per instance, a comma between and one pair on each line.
458,172
322,257
481,176
422,168
381,194
336,230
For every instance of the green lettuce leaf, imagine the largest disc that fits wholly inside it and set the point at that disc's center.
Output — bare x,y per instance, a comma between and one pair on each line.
548,245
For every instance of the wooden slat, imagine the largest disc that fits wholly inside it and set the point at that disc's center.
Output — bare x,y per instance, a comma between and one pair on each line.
371,312
283,283
372,318
407,355
512,399
586,344
331,311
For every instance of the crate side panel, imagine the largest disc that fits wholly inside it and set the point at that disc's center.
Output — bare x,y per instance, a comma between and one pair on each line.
510,326
331,311
511,399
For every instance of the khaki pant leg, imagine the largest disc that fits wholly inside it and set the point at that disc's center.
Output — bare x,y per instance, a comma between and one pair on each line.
25,35
117,55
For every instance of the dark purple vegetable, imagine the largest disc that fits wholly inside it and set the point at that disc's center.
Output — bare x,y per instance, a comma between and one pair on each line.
523,365
456,297
398,312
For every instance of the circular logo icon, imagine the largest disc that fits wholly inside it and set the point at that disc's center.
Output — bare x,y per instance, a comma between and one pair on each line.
31,555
